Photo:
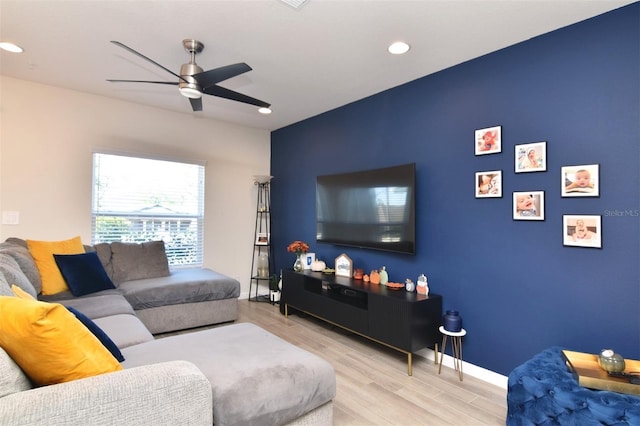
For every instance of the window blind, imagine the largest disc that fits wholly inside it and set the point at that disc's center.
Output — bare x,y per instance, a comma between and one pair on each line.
139,199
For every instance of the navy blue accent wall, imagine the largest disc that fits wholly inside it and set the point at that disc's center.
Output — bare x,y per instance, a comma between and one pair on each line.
518,289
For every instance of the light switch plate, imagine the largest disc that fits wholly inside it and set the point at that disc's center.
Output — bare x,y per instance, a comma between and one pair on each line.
10,218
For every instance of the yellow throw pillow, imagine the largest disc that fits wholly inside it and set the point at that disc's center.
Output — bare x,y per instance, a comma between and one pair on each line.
49,343
21,293
43,251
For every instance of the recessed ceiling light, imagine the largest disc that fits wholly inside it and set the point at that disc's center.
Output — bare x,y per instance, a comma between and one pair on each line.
265,111
10,47
398,48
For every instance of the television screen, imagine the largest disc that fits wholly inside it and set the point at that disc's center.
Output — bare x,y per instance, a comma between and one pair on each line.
372,209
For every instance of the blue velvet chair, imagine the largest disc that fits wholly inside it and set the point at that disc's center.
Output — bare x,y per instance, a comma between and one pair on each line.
543,391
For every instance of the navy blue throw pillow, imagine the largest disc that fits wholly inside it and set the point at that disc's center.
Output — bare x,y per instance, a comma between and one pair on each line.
99,333
83,273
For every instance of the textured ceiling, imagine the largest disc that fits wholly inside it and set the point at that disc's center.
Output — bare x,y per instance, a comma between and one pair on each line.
305,61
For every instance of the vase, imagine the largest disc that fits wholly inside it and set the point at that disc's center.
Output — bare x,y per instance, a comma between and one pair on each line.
452,321
298,267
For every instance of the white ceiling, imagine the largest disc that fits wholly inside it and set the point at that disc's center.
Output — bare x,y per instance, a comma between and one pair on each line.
305,61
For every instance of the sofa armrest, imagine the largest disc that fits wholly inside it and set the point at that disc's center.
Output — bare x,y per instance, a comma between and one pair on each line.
174,392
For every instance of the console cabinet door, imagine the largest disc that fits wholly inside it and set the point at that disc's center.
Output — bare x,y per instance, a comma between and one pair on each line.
389,320
409,325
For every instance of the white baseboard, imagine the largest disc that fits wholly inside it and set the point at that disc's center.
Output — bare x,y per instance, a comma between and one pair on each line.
472,370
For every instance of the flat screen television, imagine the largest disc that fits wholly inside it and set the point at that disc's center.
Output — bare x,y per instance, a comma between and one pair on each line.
373,209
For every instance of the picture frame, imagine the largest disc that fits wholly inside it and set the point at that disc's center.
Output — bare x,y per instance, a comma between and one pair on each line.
580,181
488,140
531,157
262,239
307,259
582,231
489,184
528,205
343,266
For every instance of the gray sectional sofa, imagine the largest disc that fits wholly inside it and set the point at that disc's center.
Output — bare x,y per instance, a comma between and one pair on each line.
234,374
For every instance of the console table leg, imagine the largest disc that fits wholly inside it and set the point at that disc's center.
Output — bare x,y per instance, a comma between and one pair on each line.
435,353
286,310
409,364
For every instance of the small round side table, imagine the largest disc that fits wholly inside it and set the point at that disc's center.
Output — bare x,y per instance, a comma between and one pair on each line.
456,343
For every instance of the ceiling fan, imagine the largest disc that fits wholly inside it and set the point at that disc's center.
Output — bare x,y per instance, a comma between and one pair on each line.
193,82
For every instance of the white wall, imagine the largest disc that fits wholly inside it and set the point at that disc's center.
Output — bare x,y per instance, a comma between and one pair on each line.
47,136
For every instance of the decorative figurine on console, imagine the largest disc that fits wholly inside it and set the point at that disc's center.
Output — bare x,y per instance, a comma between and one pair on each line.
384,276
423,286
409,285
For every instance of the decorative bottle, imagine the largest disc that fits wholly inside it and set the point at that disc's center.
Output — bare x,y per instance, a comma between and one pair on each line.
384,276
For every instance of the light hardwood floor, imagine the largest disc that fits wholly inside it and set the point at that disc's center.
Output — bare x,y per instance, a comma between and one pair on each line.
373,387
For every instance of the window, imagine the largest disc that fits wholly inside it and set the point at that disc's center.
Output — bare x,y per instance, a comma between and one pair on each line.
140,199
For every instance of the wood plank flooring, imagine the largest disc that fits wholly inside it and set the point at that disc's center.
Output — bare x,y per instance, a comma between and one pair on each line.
373,387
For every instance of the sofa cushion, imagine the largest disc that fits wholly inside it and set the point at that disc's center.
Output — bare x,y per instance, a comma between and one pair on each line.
256,377
17,248
43,251
138,261
182,286
97,331
83,273
100,305
103,250
124,329
60,348
12,379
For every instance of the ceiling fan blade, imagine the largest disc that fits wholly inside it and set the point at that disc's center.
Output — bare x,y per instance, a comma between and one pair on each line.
173,83
196,104
124,46
216,75
221,92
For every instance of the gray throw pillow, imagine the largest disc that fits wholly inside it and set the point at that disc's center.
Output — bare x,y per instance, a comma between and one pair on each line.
5,288
132,261
16,249
14,275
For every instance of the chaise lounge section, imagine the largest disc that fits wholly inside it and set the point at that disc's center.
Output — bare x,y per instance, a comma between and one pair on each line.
234,374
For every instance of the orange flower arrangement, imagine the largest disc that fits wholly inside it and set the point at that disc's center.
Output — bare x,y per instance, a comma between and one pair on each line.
298,247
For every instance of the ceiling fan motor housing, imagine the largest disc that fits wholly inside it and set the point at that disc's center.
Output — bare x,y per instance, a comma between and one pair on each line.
189,87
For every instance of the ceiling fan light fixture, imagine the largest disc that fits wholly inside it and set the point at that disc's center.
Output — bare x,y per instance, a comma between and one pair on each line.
190,90
265,111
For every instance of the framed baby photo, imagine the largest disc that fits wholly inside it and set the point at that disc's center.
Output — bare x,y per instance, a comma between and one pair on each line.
531,157
488,140
581,181
262,239
528,205
582,231
489,184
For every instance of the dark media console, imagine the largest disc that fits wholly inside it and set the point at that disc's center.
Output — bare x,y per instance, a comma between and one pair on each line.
404,321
